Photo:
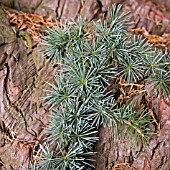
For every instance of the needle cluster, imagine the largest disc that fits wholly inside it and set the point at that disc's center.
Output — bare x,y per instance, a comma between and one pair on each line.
82,99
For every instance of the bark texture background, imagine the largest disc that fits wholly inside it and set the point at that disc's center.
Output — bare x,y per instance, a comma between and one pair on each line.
23,73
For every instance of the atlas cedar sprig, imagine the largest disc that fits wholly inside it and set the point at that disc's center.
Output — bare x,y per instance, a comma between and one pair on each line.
89,62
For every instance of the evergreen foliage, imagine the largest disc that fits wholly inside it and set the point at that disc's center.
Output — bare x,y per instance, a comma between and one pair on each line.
90,60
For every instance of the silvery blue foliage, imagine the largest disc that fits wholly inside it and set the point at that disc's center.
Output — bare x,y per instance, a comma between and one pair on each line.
82,98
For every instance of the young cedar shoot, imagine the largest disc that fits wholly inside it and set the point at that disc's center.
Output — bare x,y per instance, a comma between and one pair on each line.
84,95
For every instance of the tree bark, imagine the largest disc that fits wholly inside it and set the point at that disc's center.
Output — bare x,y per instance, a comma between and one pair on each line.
23,72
